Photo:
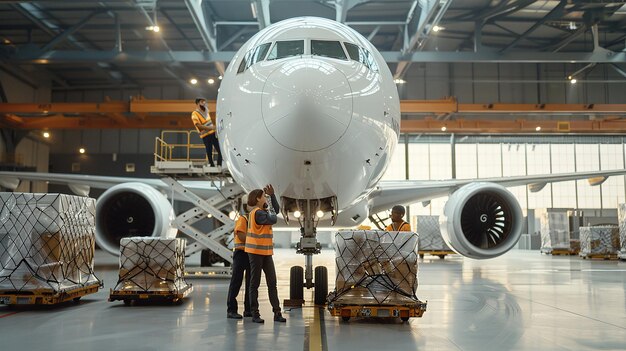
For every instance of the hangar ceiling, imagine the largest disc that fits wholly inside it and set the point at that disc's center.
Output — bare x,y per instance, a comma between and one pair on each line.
93,45
87,44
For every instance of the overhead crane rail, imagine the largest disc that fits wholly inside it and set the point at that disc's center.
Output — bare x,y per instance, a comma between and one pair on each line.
423,116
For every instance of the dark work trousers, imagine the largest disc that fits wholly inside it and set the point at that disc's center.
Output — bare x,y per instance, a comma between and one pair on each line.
211,141
240,265
263,263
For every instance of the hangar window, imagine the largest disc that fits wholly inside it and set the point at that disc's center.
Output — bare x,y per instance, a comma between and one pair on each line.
327,48
287,48
359,54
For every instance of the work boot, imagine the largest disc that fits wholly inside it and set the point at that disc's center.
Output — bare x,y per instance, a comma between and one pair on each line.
233,315
278,317
257,319
247,314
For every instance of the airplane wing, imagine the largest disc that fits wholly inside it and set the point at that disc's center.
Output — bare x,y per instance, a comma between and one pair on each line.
80,184
390,193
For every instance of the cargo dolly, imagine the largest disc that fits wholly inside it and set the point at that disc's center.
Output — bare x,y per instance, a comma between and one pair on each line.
439,253
46,296
404,312
173,296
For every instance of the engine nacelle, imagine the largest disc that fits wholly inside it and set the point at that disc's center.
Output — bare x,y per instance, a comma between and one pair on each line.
132,209
481,220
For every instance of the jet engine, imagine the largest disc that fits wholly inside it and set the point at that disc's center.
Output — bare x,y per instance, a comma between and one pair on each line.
132,209
481,220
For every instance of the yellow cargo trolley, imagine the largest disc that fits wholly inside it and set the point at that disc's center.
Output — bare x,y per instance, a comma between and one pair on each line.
439,253
47,296
404,312
172,296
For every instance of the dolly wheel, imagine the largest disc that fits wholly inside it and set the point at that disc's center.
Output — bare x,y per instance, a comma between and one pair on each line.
345,319
405,319
128,302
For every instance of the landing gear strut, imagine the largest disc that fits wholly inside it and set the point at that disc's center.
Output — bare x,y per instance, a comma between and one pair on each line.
308,246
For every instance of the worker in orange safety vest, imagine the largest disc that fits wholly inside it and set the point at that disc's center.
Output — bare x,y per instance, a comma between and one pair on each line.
397,221
206,128
260,248
241,266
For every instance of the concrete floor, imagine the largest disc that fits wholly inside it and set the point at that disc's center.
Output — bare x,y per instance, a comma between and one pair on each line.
521,301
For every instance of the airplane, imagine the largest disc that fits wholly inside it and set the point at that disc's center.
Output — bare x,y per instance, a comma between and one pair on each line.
310,106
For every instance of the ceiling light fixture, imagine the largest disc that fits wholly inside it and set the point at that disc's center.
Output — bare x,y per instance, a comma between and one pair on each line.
437,28
193,81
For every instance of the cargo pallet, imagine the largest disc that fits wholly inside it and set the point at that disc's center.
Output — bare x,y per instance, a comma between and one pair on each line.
150,296
440,253
563,252
404,312
46,296
599,256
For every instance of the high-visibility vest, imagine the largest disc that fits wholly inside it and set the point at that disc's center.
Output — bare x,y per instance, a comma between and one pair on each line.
198,118
259,239
240,226
404,227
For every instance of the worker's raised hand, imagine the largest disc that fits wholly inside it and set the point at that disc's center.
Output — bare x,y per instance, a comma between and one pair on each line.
269,189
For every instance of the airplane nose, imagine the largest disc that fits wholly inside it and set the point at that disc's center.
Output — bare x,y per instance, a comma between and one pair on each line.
307,104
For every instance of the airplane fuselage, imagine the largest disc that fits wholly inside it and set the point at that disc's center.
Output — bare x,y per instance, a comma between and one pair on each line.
310,106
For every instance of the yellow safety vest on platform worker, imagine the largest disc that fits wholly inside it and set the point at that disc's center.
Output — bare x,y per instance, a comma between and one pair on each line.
259,240
240,226
404,227
198,118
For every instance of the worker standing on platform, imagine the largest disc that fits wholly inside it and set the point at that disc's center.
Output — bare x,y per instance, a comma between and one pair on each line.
397,221
206,128
241,265
260,248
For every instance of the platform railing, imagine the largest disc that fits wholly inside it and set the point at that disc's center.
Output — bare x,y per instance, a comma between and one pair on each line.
170,146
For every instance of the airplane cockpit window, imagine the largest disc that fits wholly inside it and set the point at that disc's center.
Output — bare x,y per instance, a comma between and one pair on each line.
258,54
253,56
287,48
361,55
242,65
353,51
327,48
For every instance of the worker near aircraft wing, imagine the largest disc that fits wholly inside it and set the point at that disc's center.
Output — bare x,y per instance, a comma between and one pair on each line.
397,220
260,248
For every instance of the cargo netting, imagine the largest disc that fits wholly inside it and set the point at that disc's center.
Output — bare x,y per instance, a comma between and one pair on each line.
152,265
555,233
375,267
600,240
621,214
47,242
430,234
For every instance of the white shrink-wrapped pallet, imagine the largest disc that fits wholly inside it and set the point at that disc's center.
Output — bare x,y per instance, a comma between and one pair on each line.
46,242
621,214
600,240
428,229
375,268
554,230
149,264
